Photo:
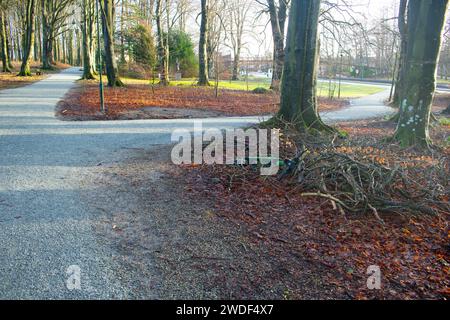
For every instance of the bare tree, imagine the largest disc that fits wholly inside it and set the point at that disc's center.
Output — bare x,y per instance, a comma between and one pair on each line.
203,79
237,12
163,41
215,33
55,16
278,15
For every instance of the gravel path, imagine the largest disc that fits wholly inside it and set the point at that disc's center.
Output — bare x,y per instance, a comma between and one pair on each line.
362,108
51,198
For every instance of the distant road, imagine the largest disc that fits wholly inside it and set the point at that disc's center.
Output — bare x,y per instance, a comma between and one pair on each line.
382,83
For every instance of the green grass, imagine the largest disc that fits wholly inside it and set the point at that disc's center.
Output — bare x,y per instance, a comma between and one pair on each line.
347,90
444,121
443,81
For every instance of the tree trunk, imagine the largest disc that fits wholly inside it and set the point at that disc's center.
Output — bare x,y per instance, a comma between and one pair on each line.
47,37
298,86
28,39
425,25
78,47
236,63
47,48
87,32
203,79
107,13
277,20
36,40
402,26
70,48
122,33
56,52
163,47
4,48
19,45
63,49
8,45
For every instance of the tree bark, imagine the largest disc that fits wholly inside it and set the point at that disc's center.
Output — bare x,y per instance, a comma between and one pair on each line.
8,44
47,36
107,13
36,39
402,26
87,29
236,62
277,20
28,38
425,25
163,47
203,79
298,86
4,48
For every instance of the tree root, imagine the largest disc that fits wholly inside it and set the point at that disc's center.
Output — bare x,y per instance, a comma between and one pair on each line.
359,182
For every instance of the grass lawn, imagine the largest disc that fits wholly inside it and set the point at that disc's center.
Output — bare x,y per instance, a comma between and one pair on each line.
347,90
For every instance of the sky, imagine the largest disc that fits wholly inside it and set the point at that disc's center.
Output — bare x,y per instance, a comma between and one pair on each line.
258,39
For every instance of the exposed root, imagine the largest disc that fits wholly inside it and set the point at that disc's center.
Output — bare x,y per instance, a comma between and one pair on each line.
360,179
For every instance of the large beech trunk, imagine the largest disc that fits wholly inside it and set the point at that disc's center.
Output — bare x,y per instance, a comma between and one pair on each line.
298,87
424,31
28,38
87,30
47,36
107,13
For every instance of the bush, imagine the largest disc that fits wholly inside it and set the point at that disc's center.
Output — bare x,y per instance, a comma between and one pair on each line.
142,47
444,121
261,90
182,51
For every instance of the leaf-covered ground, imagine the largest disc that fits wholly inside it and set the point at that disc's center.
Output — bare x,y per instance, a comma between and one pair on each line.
135,101
413,252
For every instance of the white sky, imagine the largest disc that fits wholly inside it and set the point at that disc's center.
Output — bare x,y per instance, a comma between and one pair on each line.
259,40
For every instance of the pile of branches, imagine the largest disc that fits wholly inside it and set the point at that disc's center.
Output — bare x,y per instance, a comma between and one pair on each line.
357,181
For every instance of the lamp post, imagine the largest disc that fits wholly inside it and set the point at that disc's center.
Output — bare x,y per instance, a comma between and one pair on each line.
100,62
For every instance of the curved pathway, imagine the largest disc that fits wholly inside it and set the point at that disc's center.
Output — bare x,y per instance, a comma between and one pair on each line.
48,168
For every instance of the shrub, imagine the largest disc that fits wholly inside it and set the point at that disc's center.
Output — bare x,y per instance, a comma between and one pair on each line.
261,90
142,47
182,52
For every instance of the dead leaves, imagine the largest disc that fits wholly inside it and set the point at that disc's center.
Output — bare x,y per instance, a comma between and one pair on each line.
84,101
312,238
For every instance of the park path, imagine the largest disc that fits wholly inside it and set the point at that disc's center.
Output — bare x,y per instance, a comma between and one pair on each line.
50,198
372,106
